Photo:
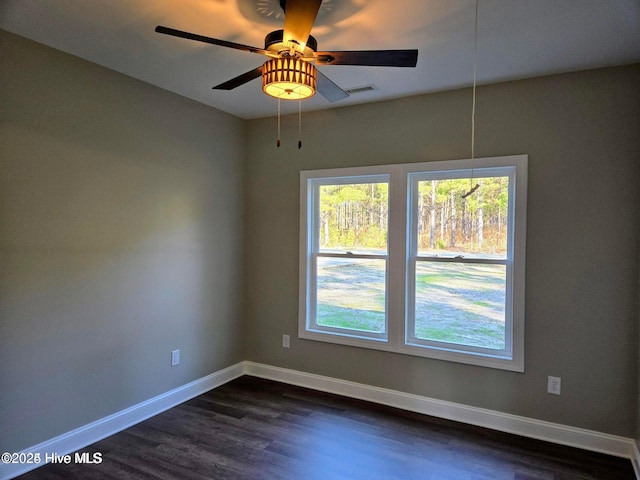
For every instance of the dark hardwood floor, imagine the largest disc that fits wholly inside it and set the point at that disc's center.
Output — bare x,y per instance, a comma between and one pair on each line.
253,429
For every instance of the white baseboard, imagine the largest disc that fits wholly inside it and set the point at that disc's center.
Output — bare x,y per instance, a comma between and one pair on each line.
504,422
635,459
81,437
527,427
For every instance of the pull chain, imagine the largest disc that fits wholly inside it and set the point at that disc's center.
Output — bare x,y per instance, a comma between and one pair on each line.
299,124
473,107
278,142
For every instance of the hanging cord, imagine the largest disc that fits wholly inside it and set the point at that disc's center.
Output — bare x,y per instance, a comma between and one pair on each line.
278,141
299,124
473,106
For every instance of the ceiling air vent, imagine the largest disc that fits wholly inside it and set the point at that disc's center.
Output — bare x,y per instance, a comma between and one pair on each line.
366,88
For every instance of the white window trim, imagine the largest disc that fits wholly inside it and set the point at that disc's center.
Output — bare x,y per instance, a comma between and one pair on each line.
314,253
307,294
397,261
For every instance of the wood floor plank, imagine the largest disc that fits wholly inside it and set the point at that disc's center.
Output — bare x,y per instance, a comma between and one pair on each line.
253,429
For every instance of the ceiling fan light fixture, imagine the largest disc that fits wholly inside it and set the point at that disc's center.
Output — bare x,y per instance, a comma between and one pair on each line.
289,78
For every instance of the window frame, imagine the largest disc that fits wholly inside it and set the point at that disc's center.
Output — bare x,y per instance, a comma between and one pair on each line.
310,182
400,271
315,253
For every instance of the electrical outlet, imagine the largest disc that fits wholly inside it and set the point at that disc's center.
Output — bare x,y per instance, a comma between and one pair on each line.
553,385
285,341
175,357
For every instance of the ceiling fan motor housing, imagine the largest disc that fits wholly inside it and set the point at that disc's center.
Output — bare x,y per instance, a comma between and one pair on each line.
273,42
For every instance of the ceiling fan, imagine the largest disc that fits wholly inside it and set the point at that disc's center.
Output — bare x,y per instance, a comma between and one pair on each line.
290,72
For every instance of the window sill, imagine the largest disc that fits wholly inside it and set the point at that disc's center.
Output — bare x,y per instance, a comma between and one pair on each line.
469,358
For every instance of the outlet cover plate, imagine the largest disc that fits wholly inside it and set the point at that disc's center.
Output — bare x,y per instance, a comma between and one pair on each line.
175,357
553,385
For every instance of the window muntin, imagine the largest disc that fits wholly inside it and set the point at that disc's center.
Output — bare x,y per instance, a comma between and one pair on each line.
489,275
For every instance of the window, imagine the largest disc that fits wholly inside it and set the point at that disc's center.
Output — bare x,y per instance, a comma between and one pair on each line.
347,261
394,258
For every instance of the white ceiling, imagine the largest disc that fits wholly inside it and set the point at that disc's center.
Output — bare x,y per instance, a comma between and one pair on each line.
516,39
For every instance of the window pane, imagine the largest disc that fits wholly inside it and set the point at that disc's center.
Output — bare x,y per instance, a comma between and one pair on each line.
461,303
449,225
351,294
353,217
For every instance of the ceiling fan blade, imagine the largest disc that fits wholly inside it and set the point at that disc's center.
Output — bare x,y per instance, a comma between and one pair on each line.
372,58
299,16
328,89
213,41
240,79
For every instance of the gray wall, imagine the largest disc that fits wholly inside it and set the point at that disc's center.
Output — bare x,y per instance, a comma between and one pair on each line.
120,240
581,132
